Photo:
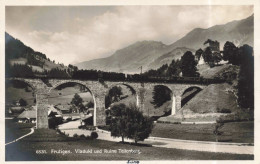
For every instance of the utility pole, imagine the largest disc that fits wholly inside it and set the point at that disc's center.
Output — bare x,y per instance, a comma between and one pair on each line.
142,84
141,69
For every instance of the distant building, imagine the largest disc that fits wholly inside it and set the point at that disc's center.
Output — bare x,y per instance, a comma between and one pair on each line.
27,116
74,109
64,109
53,109
16,110
17,103
201,61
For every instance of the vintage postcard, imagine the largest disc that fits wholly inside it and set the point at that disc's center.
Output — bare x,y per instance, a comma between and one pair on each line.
133,82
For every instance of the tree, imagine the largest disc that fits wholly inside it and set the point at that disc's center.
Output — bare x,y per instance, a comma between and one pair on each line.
129,122
228,50
207,55
76,100
161,94
198,54
174,68
230,53
246,78
216,57
162,70
81,107
119,122
90,104
188,65
218,125
141,126
22,102
108,117
107,101
113,95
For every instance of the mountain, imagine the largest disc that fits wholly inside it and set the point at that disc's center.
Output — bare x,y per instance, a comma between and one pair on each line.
240,32
148,54
16,52
128,59
169,56
153,54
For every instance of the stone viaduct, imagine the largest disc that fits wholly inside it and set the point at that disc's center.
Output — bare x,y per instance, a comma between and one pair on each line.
98,91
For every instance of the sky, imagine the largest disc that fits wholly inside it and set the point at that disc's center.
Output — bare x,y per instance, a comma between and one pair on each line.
73,34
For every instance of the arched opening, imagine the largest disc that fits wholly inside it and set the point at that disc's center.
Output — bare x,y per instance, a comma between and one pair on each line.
188,94
71,104
159,102
119,93
20,109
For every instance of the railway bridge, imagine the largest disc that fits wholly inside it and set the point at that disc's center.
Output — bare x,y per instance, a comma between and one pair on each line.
98,90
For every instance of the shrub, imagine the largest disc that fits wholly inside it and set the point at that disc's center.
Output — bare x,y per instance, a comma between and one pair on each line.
75,135
223,110
94,135
58,130
88,138
219,124
82,136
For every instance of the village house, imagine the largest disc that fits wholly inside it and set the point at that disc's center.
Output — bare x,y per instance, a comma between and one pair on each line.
64,109
27,116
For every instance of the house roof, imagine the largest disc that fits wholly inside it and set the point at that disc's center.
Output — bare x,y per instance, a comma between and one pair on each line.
28,114
51,108
63,107
17,107
90,109
86,117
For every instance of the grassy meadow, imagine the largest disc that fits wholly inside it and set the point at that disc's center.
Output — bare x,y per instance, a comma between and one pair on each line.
25,150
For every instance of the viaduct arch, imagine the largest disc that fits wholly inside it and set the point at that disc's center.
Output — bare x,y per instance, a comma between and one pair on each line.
82,84
129,86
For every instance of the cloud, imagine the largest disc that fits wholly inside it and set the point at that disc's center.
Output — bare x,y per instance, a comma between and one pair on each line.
79,35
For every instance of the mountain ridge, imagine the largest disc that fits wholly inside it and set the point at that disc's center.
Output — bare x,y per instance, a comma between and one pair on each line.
16,52
148,53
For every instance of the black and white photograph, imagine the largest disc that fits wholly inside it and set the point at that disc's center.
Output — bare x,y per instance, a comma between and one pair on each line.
129,83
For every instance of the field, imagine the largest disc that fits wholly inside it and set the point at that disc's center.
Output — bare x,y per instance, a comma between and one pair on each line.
207,72
47,139
15,130
240,132
14,94
213,98
64,96
48,65
26,150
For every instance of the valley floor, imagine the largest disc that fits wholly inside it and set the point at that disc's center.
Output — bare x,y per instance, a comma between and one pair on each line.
26,148
238,132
